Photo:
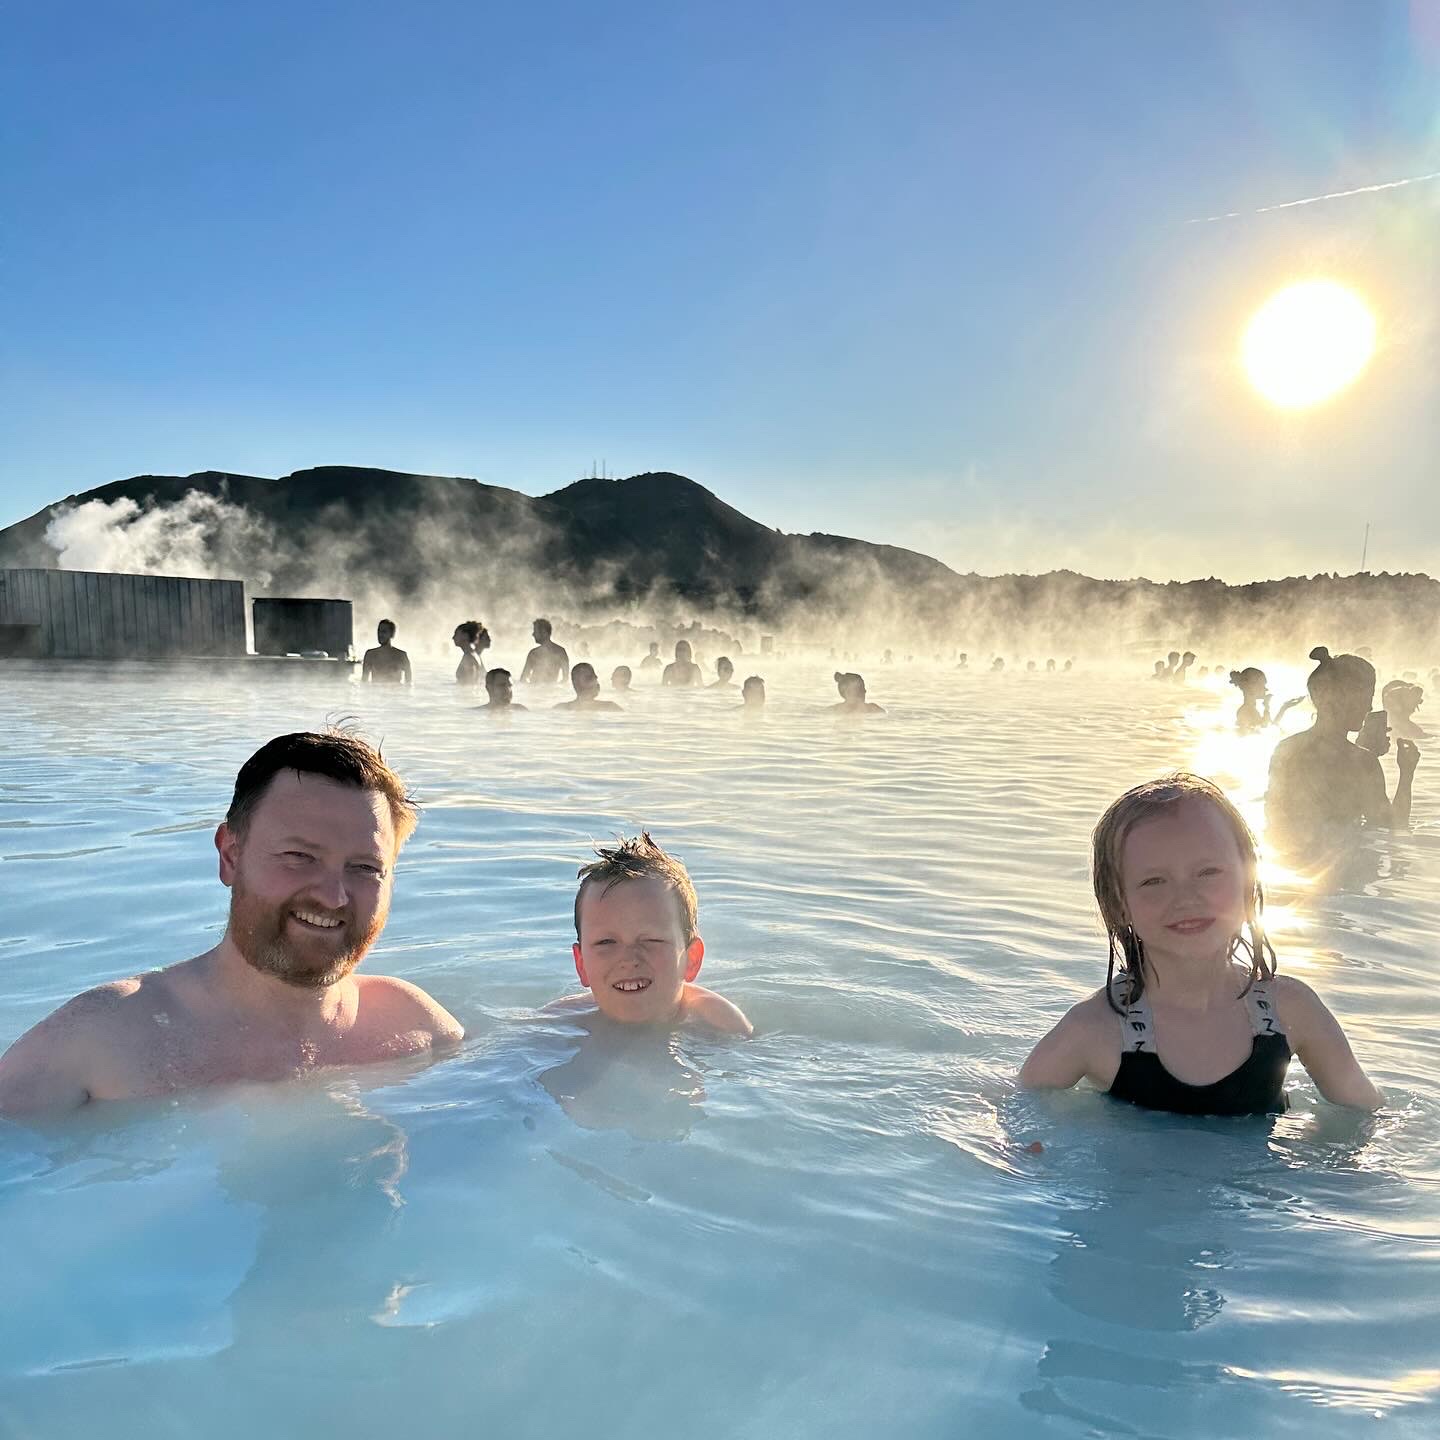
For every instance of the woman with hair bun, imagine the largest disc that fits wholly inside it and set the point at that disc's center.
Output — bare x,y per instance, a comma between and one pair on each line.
852,696
472,639
1323,786
1254,712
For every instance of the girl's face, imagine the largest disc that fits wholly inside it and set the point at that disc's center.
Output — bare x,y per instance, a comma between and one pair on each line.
1185,883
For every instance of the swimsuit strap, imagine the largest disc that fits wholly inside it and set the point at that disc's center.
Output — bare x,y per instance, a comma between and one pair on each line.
1137,1025
1260,1005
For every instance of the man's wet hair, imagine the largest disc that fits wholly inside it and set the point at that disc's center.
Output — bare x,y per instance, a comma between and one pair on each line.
541,623
387,625
638,857
334,754
472,630
497,674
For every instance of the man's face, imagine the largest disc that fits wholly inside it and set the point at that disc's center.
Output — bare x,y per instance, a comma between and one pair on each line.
632,952
541,631
502,692
384,633
310,882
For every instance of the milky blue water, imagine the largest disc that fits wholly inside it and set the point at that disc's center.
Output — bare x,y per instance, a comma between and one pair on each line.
830,1231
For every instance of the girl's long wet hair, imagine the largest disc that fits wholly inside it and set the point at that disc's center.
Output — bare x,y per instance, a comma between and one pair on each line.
1127,967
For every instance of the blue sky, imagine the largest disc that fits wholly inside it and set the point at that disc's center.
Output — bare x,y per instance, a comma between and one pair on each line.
922,273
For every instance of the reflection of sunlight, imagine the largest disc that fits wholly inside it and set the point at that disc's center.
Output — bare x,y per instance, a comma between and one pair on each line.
1356,1391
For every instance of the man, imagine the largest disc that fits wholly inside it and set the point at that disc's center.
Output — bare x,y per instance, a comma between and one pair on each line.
308,850
547,663
501,693
586,684
682,671
385,664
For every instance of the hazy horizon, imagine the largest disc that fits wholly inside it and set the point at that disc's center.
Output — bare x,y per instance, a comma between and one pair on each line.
971,282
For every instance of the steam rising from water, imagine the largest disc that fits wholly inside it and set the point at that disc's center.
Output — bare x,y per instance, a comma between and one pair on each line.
430,571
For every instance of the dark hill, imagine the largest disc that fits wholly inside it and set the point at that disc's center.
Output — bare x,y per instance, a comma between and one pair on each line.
662,543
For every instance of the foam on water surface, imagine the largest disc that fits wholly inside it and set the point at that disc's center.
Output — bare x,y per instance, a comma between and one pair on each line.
833,1230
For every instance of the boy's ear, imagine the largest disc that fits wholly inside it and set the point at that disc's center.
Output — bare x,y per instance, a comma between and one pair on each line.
580,965
694,954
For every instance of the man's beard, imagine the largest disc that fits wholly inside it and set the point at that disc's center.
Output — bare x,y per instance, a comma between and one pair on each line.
258,929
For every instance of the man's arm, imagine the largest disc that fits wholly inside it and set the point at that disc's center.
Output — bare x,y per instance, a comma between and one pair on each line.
52,1065
527,675
367,667
564,674
416,1020
405,669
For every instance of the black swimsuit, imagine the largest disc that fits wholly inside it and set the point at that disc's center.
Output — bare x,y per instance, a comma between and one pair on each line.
1255,1087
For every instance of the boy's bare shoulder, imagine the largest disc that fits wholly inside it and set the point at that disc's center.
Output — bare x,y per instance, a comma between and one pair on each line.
395,1004
568,1004
716,1011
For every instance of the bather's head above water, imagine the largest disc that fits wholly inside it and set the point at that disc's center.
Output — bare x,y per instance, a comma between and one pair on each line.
620,677
637,942
1175,871
752,692
308,848
1342,689
500,688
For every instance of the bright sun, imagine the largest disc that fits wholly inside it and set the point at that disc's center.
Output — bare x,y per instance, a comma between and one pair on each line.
1307,342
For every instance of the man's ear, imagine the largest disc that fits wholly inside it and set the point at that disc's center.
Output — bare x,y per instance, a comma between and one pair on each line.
228,844
694,954
580,965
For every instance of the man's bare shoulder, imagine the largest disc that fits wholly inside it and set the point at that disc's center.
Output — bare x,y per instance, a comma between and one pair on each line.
57,1063
708,1008
391,1004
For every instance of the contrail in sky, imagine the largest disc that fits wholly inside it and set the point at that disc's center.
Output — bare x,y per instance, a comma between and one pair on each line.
1316,199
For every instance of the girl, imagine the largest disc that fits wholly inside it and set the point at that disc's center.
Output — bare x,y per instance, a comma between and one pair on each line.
1193,1018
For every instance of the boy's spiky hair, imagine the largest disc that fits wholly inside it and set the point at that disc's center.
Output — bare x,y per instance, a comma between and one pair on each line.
636,858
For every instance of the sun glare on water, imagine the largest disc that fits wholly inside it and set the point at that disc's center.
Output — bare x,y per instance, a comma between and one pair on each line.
1307,342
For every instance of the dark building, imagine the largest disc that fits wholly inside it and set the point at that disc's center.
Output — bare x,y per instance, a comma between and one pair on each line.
84,615
302,626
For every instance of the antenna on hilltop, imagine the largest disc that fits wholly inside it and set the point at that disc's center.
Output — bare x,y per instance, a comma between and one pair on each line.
1365,548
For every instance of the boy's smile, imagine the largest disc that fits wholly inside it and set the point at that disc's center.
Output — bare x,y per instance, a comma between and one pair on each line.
632,952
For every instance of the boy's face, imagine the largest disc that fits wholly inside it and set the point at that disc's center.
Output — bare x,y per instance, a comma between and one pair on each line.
632,952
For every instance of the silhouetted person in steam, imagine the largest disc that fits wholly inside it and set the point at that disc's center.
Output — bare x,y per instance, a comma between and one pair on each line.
1183,673
1049,667
682,671
964,661
472,639
501,693
547,663
852,696
620,678
587,690
724,674
384,664
1254,712
1401,699
752,698
1160,672
652,661
1323,786
997,664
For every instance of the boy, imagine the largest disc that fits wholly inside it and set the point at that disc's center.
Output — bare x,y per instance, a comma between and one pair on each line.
636,946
